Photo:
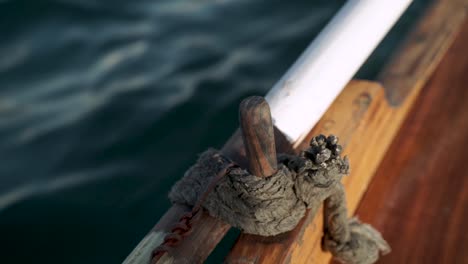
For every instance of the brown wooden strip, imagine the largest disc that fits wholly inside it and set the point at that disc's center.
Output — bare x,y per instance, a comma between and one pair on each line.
419,196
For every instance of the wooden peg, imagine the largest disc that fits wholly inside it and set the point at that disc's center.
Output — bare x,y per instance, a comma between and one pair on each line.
258,136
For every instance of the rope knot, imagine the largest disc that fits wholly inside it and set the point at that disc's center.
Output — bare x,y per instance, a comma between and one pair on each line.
265,206
269,206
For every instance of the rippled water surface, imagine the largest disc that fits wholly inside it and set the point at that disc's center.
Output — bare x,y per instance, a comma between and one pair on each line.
104,104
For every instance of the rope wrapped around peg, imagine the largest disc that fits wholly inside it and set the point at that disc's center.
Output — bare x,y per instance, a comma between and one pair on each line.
269,206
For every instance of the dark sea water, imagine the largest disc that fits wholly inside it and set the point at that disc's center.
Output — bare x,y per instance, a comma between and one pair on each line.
104,104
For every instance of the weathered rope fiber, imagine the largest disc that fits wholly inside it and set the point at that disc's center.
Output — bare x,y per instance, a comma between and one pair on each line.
273,205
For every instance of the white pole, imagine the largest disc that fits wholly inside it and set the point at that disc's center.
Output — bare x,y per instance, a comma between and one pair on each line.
308,88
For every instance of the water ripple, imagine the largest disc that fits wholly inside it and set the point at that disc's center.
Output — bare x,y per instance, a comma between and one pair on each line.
58,184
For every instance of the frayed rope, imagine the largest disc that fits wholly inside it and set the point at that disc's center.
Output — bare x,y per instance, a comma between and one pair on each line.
273,205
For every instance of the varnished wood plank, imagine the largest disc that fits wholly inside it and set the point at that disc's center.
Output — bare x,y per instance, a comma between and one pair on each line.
419,196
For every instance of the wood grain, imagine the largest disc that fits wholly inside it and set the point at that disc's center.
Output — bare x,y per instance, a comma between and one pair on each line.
419,196
258,136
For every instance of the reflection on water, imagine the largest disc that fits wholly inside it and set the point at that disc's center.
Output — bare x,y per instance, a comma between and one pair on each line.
103,105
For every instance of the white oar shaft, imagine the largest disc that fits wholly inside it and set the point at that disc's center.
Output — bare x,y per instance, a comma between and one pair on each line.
308,88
